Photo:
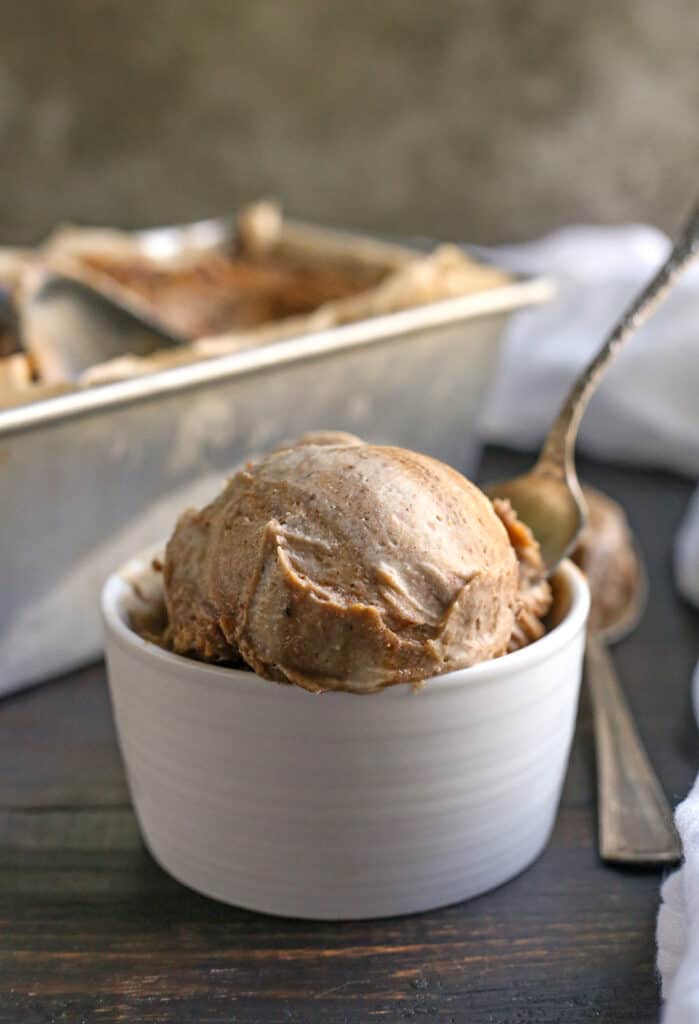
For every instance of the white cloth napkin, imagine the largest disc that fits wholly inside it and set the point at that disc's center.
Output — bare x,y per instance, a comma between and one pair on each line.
677,932
645,412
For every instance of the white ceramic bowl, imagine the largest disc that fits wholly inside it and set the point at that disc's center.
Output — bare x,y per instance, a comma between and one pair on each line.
338,805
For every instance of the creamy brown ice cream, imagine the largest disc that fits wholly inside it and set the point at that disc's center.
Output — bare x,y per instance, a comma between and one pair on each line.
607,556
534,589
349,566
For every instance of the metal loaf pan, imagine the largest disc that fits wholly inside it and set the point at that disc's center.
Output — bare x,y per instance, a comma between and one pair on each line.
90,477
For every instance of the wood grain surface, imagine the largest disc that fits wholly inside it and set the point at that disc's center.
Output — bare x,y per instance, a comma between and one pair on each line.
91,929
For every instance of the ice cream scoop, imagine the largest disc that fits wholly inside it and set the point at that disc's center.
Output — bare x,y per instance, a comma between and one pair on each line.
350,566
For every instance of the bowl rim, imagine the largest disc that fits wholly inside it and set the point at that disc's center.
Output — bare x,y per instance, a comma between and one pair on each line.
116,589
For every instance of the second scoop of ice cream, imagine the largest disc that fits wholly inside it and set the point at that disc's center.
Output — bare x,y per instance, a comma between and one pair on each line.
349,566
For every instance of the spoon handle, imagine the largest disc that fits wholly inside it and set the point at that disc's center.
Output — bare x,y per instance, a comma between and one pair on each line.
635,820
557,452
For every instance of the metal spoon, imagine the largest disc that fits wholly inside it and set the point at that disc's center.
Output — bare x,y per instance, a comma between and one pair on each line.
635,823
548,498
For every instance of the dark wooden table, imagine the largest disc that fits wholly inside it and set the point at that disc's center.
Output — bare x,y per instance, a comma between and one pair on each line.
92,930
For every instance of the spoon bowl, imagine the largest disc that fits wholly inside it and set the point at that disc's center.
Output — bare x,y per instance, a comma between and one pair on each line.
628,615
553,508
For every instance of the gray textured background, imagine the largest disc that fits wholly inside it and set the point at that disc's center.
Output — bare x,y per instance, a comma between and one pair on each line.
483,120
